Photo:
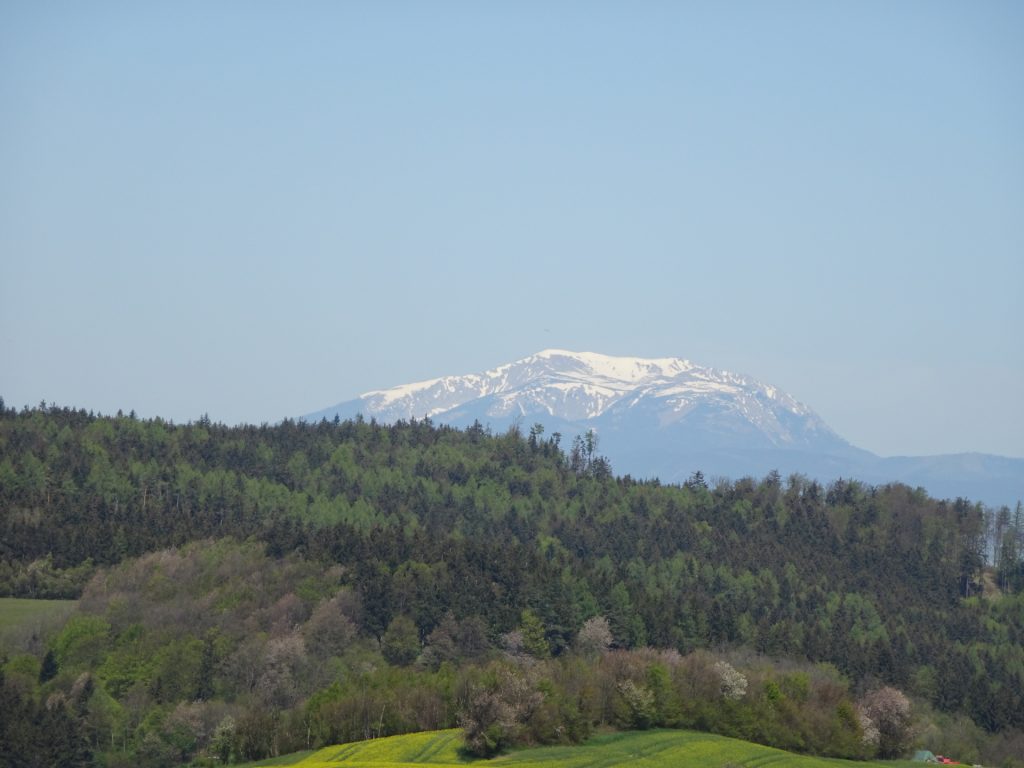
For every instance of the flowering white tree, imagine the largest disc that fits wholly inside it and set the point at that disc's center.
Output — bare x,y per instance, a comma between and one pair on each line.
594,637
887,711
733,683
496,710
868,730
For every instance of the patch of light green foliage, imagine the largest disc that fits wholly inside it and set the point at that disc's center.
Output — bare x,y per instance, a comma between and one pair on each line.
645,749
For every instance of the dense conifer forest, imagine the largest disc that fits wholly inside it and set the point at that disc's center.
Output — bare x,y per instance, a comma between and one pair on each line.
246,591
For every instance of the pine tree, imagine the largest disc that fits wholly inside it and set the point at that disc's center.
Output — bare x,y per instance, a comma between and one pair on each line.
49,668
534,641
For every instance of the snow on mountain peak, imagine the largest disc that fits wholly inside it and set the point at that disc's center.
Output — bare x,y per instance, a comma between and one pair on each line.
630,370
585,387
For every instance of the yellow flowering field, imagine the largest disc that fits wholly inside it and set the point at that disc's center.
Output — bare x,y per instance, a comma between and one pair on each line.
645,749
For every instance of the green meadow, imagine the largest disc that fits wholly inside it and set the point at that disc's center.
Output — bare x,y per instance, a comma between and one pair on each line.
20,616
643,749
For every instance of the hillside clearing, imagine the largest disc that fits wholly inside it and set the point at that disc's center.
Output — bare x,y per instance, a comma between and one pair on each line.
22,617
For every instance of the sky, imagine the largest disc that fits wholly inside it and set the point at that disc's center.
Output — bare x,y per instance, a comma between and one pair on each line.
255,210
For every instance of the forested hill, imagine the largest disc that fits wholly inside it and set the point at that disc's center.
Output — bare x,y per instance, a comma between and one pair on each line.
430,522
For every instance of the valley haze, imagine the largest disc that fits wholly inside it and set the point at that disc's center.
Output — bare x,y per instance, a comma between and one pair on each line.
669,417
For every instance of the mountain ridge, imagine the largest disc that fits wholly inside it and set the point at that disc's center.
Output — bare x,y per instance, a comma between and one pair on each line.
668,417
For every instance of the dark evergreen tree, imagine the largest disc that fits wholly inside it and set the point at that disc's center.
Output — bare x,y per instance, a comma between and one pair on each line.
49,667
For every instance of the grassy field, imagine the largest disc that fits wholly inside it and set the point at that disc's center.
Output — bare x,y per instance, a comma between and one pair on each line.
291,759
20,618
648,749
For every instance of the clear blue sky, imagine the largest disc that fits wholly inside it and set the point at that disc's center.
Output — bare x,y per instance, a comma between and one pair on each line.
260,209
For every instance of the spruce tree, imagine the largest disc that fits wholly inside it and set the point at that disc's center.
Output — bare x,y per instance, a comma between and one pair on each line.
49,667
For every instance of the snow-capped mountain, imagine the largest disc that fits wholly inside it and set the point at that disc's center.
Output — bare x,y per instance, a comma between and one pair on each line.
667,417
584,386
575,391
